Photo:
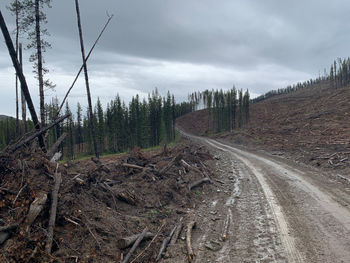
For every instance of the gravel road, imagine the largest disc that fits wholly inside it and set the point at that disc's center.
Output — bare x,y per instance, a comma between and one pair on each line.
278,211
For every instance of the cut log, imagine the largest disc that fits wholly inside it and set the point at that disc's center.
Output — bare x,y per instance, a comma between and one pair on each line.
53,149
165,244
53,211
136,244
35,208
190,252
130,240
132,166
177,232
199,182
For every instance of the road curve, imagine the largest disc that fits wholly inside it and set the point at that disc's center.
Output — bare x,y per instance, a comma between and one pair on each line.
310,208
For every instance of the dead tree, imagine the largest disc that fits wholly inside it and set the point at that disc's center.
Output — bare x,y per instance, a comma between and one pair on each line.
27,139
82,66
17,48
21,78
86,80
40,61
23,99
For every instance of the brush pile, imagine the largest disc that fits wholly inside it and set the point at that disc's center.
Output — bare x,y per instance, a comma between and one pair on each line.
99,203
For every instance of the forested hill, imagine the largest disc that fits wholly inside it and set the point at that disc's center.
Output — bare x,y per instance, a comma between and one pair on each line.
311,123
4,117
142,123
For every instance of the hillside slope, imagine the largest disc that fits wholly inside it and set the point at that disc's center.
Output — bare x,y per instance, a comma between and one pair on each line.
312,125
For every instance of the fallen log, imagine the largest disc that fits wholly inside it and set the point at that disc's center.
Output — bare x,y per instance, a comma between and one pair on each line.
53,211
136,244
165,244
31,137
177,232
190,252
35,208
199,182
132,166
149,244
130,240
190,167
53,149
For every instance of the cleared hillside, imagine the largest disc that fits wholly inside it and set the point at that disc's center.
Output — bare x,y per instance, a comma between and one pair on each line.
313,125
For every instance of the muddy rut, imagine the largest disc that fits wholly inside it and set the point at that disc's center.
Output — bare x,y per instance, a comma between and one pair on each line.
278,211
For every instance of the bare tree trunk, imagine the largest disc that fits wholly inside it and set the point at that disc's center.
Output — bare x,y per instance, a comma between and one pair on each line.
40,62
21,77
86,80
17,110
23,99
82,66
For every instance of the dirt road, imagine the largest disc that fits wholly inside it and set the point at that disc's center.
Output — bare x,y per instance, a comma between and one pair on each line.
278,211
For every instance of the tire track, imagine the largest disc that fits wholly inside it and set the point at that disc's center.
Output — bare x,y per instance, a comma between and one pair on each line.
288,241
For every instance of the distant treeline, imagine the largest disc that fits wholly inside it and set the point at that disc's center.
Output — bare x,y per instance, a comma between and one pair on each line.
338,77
143,123
227,110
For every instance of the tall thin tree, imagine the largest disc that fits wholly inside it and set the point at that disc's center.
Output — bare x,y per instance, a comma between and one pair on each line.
93,132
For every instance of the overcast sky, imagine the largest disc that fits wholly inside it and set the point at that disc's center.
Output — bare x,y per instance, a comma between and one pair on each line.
185,46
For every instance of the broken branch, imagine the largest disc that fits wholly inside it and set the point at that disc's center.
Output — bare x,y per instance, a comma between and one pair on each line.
190,252
199,182
165,244
53,211
177,232
128,241
136,244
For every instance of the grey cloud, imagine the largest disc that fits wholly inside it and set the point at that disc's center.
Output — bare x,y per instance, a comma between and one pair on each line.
192,45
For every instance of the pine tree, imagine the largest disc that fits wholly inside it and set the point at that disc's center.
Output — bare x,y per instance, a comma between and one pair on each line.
69,126
100,126
79,132
240,108
32,23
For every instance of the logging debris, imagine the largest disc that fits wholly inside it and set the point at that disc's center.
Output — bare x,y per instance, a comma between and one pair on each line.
190,252
99,204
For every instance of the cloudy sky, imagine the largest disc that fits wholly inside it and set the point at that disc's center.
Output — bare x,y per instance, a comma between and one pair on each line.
185,46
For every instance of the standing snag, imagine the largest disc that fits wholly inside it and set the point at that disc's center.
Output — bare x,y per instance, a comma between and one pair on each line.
91,115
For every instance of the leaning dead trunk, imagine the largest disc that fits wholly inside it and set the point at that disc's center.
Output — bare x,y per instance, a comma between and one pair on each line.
21,78
86,80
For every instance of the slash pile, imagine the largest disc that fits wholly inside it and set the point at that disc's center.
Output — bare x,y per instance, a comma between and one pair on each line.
100,202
